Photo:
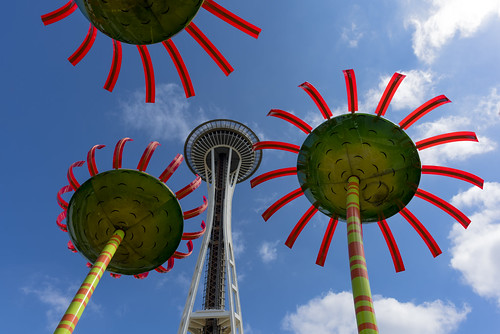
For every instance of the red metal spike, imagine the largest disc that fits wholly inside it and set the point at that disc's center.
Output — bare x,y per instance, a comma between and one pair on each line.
179,255
142,276
276,145
146,156
116,64
281,202
149,74
196,211
209,48
352,91
306,217
422,110
327,239
422,231
170,266
59,13
231,18
60,218
163,270
117,155
446,138
290,118
194,235
62,203
386,98
71,177
391,244
455,173
84,47
272,175
445,206
318,99
171,168
72,247
180,66
189,188
91,159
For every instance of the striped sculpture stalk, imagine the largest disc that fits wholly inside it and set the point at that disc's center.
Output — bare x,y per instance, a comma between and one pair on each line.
363,303
82,297
372,164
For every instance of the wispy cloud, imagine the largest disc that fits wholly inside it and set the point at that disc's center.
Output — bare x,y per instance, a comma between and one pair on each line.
477,113
459,151
261,203
444,20
475,252
268,252
334,313
48,291
170,118
351,35
181,278
238,243
416,88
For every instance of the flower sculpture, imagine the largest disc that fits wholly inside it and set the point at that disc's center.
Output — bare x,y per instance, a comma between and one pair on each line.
124,221
362,168
148,22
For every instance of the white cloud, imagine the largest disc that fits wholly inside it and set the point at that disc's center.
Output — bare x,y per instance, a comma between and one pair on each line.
416,88
486,109
448,18
334,313
238,243
351,35
458,151
56,299
475,252
268,251
169,118
261,203
477,113
181,278
314,118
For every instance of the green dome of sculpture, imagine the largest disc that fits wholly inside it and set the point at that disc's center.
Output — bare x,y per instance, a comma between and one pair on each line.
375,150
135,202
140,21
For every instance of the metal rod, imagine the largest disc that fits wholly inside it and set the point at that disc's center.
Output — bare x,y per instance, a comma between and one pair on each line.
74,312
363,303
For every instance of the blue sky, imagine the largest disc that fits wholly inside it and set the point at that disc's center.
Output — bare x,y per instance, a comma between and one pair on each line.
53,113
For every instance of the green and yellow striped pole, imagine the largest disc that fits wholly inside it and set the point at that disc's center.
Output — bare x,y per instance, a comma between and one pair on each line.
363,303
82,297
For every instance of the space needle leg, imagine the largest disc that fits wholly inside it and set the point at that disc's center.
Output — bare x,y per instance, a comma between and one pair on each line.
363,303
74,312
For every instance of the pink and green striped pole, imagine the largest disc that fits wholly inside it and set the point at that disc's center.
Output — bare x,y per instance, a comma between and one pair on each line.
74,312
363,303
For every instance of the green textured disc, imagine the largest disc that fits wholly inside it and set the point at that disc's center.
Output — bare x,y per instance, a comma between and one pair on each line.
135,202
140,21
375,150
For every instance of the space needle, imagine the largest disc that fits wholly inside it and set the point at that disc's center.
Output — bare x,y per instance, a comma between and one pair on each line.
220,151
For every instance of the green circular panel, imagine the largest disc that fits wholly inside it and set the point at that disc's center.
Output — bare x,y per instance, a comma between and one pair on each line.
135,202
140,21
375,150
